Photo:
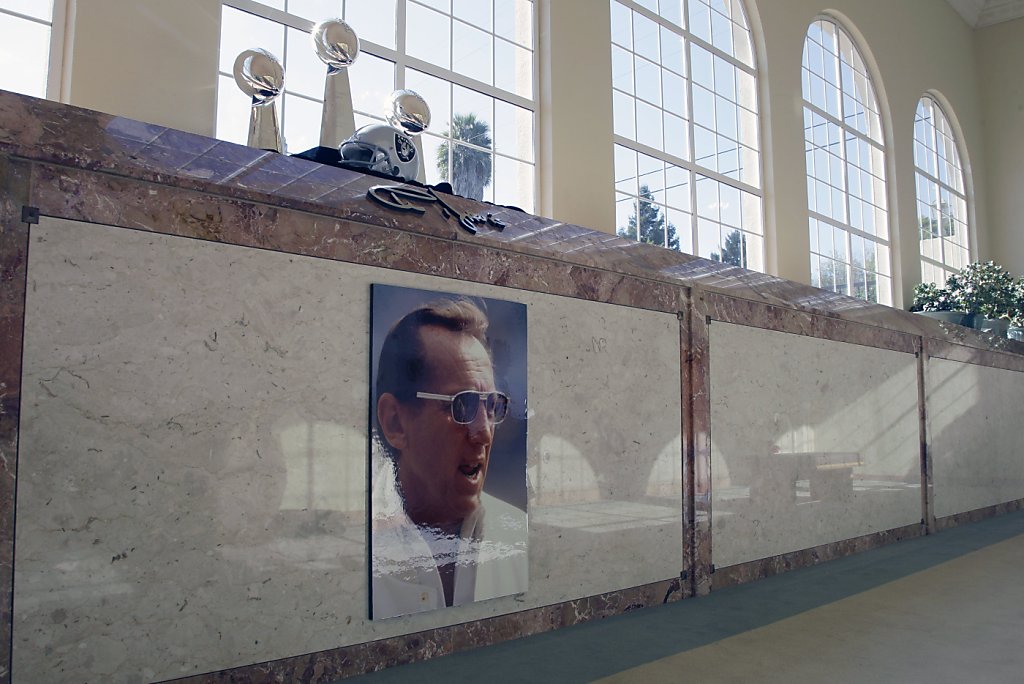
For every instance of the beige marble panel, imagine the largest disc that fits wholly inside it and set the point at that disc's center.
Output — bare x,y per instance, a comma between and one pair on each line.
813,441
193,455
974,435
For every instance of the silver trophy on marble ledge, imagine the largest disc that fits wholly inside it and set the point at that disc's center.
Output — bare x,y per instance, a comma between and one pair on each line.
391,148
337,46
408,111
260,75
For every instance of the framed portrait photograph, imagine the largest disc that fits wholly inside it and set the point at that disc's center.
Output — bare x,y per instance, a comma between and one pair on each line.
448,424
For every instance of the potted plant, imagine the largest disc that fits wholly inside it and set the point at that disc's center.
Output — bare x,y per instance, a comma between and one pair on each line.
936,302
1016,329
986,292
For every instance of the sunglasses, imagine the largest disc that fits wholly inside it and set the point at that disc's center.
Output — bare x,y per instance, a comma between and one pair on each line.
465,405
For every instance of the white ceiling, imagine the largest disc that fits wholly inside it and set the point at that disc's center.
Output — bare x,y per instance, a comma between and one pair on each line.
979,13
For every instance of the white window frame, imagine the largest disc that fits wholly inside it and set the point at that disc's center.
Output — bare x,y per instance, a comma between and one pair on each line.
403,61
957,139
691,165
61,18
883,147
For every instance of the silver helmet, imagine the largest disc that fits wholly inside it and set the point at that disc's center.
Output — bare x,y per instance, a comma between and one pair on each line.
381,148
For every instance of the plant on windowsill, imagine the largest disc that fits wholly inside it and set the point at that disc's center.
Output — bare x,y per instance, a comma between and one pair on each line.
985,291
1016,329
936,302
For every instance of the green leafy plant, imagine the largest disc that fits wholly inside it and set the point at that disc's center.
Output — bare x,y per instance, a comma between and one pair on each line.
983,288
931,297
1017,315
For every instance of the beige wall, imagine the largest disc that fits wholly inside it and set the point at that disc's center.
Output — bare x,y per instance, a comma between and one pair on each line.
1000,52
914,47
147,59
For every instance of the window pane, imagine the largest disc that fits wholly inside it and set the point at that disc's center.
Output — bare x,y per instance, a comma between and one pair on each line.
428,35
373,82
513,68
315,10
513,183
513,20
513,131
304,72
40,9
473,12
233,110
471,52
24,55
373,20
301,123
243,31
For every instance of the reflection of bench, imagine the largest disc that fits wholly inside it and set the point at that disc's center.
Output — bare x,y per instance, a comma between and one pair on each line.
829,473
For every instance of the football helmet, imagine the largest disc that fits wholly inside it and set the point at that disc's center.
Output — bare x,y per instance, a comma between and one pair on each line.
381,148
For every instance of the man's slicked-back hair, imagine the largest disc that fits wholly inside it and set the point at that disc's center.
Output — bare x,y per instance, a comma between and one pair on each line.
402,368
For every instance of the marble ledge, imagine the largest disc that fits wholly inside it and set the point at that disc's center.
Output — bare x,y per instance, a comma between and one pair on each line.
743,573
1008,356
783,319
82,195
957,519
67,136
348,661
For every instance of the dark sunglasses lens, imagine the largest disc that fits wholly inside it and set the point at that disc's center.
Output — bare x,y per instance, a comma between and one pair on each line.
497,406
464,406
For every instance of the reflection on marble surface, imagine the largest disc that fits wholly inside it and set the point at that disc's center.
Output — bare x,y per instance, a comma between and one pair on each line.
158,154
193,455
813,441
974,437
605,459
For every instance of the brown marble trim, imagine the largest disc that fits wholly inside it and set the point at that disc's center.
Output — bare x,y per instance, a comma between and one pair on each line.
789,320
14,243
699,460
108,200
474,263
348,661
686,430
927,478
766,567
977,515
119,147
982,357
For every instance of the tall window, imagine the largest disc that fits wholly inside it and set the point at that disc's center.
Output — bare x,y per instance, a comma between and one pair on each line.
846,190
472,60
25,50
687,148
941,196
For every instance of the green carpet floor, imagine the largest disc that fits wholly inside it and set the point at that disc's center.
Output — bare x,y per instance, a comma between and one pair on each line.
891,591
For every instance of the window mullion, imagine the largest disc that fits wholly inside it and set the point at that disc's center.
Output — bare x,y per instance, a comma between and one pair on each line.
677,161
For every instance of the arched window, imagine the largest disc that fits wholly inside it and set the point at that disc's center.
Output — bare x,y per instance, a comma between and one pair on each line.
846,187
30,51
941,195
472,60
687,148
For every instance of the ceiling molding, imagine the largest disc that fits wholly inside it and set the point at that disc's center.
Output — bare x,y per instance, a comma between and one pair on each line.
981,13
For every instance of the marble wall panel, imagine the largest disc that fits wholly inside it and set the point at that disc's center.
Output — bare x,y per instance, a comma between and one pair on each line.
973,415
812,441
193,455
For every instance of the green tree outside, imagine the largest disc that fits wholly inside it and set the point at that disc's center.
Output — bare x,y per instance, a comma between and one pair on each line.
469,170
734,250
646,223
